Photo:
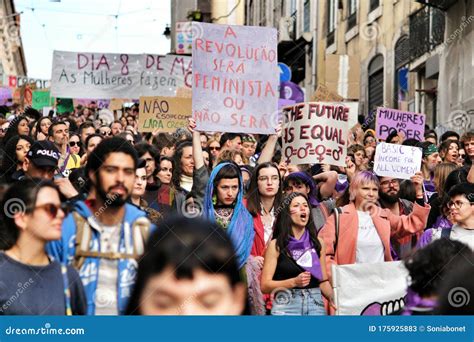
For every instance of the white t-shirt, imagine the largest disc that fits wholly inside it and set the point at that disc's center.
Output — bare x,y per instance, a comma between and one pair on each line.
106,292
369,248
268,229
458,233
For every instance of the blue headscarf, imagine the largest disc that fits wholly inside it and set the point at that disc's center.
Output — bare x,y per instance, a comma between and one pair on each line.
240,228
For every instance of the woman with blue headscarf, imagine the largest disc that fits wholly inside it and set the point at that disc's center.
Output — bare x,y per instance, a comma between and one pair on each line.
223,204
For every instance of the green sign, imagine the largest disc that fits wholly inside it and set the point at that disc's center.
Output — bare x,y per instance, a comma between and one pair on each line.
64,106
41,98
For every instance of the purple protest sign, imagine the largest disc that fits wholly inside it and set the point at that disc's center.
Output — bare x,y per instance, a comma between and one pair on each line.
291,91
283,103
412,125
5,96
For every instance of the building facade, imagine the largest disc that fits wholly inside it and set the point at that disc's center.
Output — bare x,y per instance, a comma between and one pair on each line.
410,55
12,58
230,12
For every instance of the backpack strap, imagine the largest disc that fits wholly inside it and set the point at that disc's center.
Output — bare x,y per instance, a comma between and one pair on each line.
337,212
141,232
446,233
83,238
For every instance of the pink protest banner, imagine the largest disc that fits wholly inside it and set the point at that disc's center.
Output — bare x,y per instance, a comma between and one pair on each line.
113,75
235,78
412,125
315,132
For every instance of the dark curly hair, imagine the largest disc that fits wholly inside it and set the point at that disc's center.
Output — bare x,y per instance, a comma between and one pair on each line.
106,147
427,266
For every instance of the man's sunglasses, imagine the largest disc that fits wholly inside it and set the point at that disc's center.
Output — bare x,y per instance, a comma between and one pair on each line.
74,143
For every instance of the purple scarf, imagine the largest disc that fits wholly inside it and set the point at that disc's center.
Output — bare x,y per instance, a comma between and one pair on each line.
413,301
304,254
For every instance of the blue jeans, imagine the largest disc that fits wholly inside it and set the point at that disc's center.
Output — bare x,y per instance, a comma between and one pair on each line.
298,302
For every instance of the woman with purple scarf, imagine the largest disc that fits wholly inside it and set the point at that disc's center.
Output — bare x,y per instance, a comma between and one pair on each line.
304,183
294,271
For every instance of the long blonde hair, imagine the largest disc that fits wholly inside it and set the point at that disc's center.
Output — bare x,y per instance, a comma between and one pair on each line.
442,172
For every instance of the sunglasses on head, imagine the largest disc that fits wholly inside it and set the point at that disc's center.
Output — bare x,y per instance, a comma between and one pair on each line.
74,143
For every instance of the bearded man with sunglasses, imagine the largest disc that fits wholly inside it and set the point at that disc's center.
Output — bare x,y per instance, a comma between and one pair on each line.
461,212
103,238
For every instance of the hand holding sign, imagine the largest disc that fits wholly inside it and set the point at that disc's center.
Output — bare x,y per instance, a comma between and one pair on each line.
417,180
397,161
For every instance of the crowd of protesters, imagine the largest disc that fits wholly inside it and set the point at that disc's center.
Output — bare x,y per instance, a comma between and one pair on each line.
100,219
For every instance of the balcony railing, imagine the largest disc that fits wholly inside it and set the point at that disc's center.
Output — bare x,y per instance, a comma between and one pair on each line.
441,4
426,31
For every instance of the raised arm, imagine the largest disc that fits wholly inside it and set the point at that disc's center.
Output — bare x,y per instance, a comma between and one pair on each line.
327,183
197,148
269,149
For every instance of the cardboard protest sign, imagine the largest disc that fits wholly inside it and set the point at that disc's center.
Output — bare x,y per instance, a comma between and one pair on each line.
109,75
412,125
41,99
315,132
375,289
397,161
322,93
184,92
116,104
163,113
235,78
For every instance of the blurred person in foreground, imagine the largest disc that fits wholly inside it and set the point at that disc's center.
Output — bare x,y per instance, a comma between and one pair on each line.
189,268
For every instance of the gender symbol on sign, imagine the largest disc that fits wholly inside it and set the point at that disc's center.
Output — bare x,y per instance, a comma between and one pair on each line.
320,151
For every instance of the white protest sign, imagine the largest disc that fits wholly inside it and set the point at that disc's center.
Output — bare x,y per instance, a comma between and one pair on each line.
315,132
111,75
353,111
235,78
397,161
369,289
